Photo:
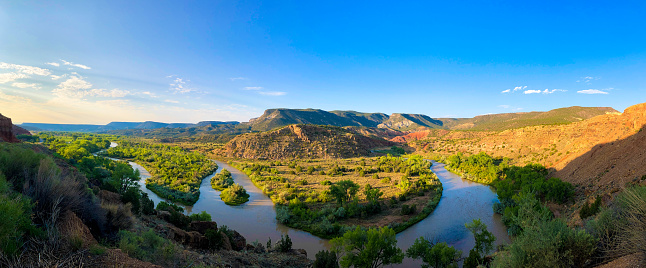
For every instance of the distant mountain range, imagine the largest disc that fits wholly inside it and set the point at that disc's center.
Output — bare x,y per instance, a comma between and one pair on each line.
117,126
275,118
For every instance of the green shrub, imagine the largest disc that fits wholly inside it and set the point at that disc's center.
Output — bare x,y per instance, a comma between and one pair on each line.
326,259
202,216
15,223
284,244
590,210
147,246
326,182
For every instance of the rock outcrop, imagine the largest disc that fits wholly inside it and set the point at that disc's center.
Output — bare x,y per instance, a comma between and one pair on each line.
6,130
302,141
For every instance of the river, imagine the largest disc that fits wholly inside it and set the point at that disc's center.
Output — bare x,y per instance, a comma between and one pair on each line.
462,201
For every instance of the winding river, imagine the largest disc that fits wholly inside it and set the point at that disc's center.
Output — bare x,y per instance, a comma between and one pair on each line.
462,201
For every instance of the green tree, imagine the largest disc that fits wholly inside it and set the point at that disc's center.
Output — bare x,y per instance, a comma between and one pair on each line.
344,191
368,248
484,240
437,255
326,259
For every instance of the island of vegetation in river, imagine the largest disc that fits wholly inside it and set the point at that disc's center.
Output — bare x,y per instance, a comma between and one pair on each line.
329,197
231,193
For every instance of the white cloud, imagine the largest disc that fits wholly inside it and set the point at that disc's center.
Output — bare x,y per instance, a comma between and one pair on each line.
237,78
149,94
509,90
53,64
25,69
10,77
76,87
546,91
25,85
252,88
587,79
504,106
56,77
76,65
179,86
592,91
171,101
272,93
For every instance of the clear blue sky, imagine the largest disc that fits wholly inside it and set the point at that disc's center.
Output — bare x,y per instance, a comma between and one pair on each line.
187,61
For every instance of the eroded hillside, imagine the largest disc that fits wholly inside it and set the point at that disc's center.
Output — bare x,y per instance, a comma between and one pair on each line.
302,141
599,150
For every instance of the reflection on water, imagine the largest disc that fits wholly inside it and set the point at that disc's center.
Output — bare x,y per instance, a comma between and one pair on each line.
462,201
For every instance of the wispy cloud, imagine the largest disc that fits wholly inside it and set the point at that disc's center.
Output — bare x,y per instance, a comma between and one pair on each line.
75,87
272,93
75,65
252,88
179,86
510,90
26,85
24,69
546,91
171,101
587,79
53,64
592,91
10,77
237,78
505,106
149,94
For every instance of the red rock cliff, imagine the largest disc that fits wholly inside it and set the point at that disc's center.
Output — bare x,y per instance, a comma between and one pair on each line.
6,130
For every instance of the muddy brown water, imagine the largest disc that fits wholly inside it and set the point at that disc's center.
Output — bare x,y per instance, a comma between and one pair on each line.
462,201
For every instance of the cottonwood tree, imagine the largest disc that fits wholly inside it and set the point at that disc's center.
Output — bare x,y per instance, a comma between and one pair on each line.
368,248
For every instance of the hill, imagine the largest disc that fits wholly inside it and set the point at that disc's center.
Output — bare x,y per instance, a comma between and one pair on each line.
411,122
500,122
302,141
117,126
590,151
275,118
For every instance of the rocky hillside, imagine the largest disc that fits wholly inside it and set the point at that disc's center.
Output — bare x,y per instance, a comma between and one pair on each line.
302,141
275,118
499,122
410,122
7,130
598,150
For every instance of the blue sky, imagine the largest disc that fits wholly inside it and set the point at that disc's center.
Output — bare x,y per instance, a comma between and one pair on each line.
177,61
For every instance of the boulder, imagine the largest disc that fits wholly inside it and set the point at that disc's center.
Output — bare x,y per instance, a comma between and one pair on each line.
226,244
192,239
202,226
300,251
238,242
164,215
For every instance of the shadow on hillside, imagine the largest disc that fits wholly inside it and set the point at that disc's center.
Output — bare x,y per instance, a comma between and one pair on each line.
608,166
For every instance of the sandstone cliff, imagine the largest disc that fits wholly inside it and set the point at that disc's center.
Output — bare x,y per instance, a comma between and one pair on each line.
302,141
6,130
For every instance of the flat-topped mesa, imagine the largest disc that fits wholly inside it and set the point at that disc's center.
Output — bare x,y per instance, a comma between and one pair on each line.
302,141
6,130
